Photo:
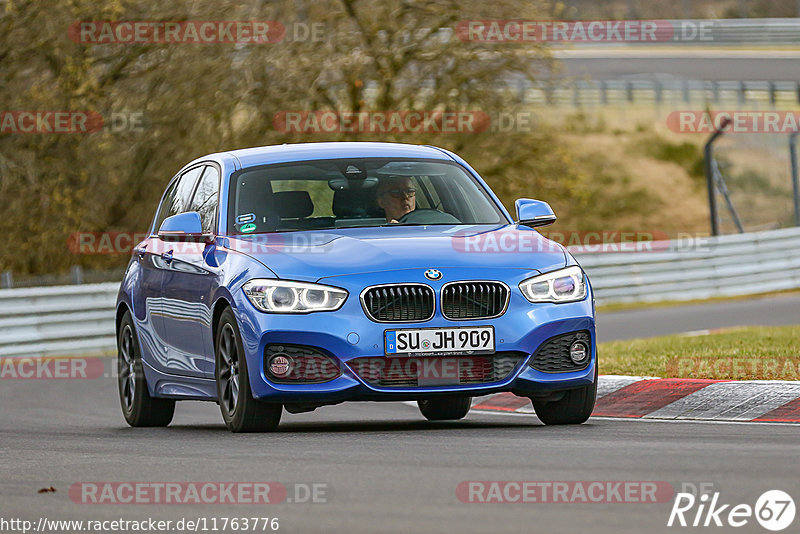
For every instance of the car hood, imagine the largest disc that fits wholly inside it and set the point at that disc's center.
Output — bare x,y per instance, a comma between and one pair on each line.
312,255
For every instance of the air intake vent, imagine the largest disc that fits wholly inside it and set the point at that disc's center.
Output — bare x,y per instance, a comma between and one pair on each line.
435,371
474,300
398,303
553,355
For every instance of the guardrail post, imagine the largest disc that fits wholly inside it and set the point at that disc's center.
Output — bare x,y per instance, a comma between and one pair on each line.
6,280
795,181
77,274
708,152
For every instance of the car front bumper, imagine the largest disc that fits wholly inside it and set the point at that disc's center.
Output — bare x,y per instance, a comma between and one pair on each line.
347,334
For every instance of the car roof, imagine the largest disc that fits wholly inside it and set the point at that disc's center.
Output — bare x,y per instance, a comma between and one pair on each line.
264,155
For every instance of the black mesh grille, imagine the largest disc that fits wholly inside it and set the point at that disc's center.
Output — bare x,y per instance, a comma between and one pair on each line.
553,355
473,300
429,371
399,303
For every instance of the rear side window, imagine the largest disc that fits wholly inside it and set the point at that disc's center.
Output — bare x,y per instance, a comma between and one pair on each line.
205,199
178,196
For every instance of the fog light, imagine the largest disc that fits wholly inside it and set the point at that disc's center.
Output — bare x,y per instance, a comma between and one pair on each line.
280,365
578,352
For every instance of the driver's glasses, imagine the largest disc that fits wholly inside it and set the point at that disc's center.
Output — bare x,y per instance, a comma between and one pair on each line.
401,194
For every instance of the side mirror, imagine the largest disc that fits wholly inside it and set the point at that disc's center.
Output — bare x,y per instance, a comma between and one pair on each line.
183,227
534,213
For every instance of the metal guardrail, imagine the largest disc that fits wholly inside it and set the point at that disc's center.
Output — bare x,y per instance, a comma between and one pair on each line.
80,319
53,320
740,264
726,32
593,93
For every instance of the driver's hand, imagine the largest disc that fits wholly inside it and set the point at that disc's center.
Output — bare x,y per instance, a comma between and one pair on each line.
394,221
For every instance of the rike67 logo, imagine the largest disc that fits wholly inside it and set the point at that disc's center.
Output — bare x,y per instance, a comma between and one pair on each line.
774,510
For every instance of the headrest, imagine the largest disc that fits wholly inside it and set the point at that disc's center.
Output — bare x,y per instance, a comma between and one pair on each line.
293,204
356,204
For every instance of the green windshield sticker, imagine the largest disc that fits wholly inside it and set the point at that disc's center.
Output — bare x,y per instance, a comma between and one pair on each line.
246,228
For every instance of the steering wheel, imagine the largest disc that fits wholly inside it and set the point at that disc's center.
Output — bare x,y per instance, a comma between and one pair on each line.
428,216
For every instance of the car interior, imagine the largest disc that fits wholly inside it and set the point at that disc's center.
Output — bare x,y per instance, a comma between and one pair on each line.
326,195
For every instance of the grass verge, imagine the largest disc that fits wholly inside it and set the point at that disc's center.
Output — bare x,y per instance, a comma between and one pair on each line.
749,353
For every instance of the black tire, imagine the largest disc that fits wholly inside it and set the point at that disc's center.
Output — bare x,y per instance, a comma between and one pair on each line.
573,409
240,411
445,408
138,407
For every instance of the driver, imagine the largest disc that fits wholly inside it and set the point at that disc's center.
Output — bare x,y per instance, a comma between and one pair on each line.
397,196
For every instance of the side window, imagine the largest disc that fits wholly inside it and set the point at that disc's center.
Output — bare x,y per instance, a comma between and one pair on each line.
178,196
166,202
205,198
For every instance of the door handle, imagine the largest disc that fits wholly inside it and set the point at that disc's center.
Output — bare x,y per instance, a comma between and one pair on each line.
167,256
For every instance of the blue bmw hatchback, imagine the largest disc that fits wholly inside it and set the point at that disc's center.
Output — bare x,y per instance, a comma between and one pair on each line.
299,276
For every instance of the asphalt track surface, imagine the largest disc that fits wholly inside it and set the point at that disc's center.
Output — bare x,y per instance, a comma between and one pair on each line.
680,65
386,469
648,322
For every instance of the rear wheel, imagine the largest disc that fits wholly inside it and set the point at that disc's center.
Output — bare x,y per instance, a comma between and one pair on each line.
240,410
573,408
138,407
444,408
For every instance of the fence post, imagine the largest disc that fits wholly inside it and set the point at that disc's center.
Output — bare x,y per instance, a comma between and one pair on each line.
6,280
795,181
708,151
77,274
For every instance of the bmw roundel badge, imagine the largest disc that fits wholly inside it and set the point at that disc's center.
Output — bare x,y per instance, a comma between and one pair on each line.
433,274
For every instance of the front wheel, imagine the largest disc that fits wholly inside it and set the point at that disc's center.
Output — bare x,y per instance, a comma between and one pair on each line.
240,410
445,408
138,407
573,408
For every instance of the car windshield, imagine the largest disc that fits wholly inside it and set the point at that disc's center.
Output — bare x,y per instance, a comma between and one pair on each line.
341,193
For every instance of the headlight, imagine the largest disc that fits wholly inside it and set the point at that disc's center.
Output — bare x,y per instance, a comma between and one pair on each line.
564,285
279,296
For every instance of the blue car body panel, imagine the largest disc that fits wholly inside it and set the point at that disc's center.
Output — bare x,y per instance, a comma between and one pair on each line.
174,304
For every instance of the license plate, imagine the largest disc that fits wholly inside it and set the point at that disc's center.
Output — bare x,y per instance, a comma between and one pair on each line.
440,341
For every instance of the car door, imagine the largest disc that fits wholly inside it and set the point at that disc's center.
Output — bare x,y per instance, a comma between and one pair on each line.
147,296
189,282
171,312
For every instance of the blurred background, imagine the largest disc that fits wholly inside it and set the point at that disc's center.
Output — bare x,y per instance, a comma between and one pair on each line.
582,125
